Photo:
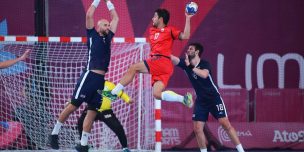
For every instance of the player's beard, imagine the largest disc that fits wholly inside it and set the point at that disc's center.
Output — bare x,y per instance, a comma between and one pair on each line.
190,57
104,33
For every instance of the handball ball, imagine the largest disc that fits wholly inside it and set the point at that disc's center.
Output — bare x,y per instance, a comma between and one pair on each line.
191,8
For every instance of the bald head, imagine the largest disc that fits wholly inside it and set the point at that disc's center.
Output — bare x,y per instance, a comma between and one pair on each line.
103,26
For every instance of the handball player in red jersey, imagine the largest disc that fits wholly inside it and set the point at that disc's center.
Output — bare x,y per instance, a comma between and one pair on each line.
159,64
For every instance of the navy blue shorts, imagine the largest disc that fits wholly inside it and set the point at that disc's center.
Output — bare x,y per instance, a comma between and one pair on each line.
203,106
88,89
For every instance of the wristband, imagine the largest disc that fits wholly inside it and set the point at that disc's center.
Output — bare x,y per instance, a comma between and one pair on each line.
110,5
95,3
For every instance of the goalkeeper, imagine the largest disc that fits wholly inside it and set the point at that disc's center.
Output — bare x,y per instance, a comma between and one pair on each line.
106,115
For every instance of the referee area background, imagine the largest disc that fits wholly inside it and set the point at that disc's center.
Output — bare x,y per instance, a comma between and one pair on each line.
255,47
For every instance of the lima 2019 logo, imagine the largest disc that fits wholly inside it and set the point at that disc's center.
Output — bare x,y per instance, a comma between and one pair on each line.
224,137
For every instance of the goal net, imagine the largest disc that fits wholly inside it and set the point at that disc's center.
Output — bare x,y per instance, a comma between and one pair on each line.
33,93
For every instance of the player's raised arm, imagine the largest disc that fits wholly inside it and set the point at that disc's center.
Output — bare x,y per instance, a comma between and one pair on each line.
186,33
90,14
114,16
175,60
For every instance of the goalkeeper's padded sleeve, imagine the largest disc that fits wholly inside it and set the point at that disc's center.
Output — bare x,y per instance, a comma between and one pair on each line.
124,96
108,86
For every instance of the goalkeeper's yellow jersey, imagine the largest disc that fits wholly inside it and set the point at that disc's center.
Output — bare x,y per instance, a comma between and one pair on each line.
106,102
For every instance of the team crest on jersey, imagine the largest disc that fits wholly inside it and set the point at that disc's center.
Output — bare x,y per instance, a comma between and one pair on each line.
194,75
156,35
162,30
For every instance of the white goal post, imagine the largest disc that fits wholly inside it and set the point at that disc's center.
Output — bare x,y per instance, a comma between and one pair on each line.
33,93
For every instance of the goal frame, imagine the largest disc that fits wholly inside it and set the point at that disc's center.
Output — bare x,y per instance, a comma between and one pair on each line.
157,105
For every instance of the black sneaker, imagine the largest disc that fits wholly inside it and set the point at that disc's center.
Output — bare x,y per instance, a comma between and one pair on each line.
53,139
81,148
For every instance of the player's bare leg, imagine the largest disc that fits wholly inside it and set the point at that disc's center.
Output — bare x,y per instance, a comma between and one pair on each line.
198,128
139,67
64,115
158,88
88,120
231,132
87,126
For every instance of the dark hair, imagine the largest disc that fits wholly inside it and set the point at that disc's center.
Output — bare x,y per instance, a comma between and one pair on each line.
164,14
198,47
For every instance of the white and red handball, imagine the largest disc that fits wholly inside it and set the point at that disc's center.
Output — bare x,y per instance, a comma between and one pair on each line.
191,8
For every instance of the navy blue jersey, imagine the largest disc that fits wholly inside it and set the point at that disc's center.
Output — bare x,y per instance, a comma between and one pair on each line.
204,87
99,50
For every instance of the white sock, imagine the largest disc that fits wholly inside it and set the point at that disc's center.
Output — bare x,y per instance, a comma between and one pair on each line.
56,128
117,89
172,96
239,148
204,150
84,138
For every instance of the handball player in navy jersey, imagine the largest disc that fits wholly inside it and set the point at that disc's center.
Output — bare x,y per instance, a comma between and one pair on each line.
208,98
92,80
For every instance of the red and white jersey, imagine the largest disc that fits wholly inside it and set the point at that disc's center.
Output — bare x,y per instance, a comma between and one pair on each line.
161,40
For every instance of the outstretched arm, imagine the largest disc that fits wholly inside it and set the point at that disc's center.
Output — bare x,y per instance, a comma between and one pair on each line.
9,63
114,16
175,60
90,14
186,33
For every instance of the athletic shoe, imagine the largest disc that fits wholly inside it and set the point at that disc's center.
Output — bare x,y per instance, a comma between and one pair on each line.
188,100
109,95
53,141
81,148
